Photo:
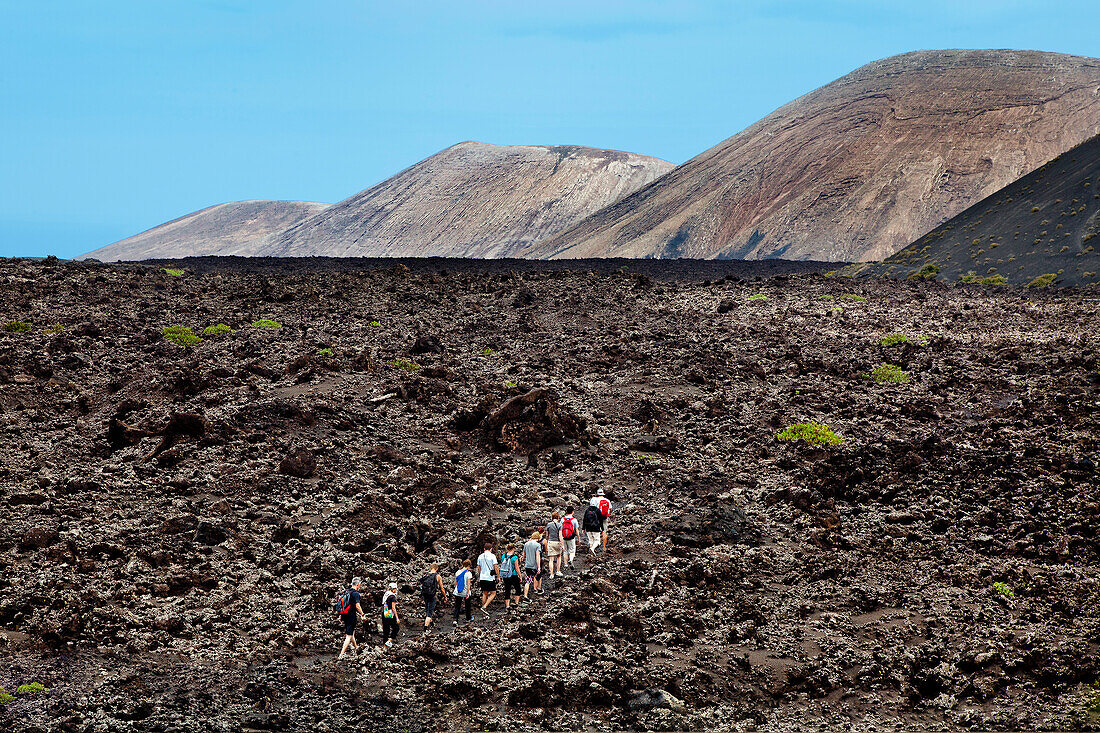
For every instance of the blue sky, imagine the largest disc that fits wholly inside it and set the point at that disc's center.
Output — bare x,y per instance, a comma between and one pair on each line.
119,115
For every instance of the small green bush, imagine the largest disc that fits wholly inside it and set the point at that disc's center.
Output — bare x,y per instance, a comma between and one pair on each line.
894,339
375,324
16,327
825,297
510,384
811,432
972,277
1003,589
324,352
1043,281
830,273
181,336
171,271
758,296
928,272
266,323
54,329
30,689
6,698
884,373
216,330
853,297
405,364
487,351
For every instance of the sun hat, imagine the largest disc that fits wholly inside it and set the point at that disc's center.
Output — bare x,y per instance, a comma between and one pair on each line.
599,492
393,586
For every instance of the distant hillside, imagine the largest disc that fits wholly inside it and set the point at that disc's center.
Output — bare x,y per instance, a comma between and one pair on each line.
861,167
1046,223
470,200
220,229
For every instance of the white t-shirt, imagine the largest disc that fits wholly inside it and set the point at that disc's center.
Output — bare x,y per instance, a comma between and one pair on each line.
487,562
595,501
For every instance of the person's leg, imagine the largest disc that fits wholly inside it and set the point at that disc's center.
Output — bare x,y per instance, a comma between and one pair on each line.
347,643
469,611
458,607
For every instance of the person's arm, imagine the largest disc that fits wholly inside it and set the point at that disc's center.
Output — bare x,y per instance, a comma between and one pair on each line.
396,617
439,579
359,608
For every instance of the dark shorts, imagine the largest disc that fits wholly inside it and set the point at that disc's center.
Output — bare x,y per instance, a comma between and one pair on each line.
349,620
488,586
429,606
512,585
532,574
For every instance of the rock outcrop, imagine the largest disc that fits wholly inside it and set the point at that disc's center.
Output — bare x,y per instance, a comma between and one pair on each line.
471,200
861,167
223,229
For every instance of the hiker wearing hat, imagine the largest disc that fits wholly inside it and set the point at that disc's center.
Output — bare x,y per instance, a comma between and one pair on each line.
350,611
390,618
603,506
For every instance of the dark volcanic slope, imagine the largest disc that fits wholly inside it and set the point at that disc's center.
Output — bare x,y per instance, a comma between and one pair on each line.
221,229
1048,222
471,200
176,521
860,168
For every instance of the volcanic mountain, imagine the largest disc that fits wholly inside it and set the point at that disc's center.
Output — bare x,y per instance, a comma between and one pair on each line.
1045,224
861,167
222,229
471,200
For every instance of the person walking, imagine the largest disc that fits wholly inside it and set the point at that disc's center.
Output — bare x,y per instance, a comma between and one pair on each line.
553,545
592,524
488,568
569,529
350,612
431,588
464,580
509,575
602,503
532,564
391,619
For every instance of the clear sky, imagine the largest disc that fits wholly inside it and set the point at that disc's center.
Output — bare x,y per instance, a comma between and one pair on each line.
116,116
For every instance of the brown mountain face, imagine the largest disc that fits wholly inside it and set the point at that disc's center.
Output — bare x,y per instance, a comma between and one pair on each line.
861,167
224,229
471,200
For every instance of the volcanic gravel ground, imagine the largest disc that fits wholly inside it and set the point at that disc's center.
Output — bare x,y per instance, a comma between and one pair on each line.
177,521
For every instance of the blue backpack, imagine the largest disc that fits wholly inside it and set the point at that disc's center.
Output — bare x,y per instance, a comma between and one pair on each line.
460,582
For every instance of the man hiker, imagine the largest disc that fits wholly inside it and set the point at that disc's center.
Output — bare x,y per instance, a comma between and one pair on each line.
592,523
569,529
431,588
602,503
509,574
391,620
487,573
553,545
532,564
464,579
350,612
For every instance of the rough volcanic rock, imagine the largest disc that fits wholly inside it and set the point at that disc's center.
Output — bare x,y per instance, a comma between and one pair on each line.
859,168
1046,223
471,200
222,229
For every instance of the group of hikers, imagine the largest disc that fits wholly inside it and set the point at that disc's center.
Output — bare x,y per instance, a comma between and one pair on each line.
556,543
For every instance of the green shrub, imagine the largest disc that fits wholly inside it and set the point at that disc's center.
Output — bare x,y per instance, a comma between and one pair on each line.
888,373
375,324
972,277
825,297
172,272
216,330
181,336
325,352
928,272
894,339
811,432
405,364
487,351
1043,281
16,327
1090,708
758,296
266,323
510,384
830,273
6,698
853,297
54,329
1003,589
30,689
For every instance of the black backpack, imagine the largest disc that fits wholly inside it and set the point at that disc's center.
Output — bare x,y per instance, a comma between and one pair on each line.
429,586
593,520
344,606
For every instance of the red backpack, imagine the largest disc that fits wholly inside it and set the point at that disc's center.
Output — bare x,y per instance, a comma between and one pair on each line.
605,508
568,531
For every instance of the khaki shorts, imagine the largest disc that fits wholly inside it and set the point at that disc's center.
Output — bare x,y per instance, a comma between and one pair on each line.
553,549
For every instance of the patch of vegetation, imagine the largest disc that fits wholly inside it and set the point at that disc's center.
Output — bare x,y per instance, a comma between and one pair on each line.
825,297
5,697
487,351
325,352
181,336
405,364
216,330
266,323
853,297
173,272
54,329
812,432
1043,281
830,273
16,327
928,272
972,277
758,296
1090,709
894,339
375,324
884,373
510,384
31,688
1003,589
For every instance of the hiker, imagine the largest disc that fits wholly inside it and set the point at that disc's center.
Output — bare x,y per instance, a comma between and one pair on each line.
592,523
509,574
532,564
350,612
431,587
553,545
391,620
464,579
569,528
488,569
604,505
